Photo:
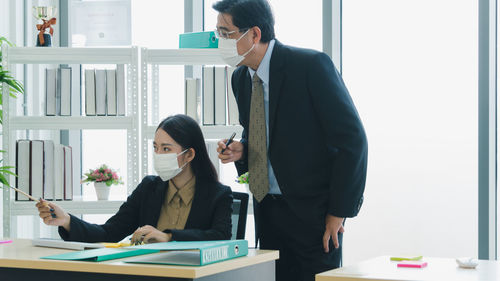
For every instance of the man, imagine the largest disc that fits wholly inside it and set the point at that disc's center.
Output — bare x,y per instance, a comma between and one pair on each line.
303,142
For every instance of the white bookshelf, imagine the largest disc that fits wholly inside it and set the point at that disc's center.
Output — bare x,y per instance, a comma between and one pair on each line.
13,122
187,57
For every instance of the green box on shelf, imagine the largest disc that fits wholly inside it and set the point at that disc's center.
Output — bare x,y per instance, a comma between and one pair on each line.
197,40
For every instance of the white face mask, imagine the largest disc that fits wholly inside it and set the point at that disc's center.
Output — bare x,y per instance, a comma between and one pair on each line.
229,51
166,165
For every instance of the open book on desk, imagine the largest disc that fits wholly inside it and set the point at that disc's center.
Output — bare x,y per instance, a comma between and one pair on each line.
71,245
192,253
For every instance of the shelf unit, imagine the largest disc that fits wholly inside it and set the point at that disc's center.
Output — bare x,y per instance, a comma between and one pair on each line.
186,57
13,123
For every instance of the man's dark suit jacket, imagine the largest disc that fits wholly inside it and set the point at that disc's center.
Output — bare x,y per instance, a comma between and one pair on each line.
317,144
209,218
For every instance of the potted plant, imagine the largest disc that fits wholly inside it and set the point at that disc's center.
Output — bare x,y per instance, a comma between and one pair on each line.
243,179
103,178
15,88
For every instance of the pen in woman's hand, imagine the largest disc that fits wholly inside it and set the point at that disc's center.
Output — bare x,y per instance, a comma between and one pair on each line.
228,142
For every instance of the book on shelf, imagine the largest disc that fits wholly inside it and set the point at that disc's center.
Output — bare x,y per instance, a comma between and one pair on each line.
58,172
232,106
194,253
208,96
100,92
120,90
220,95
48,165
64,90
111,92
68,173
36,168
50,92
192,98
23,169
100,254
90,109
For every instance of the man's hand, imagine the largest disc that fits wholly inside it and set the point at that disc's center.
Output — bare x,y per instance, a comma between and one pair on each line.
333,226
233,152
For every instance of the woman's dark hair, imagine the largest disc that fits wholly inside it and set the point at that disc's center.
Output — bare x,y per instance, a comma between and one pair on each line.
187,133
249,13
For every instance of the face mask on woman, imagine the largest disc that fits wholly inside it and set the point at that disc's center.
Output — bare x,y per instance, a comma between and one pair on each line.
166,165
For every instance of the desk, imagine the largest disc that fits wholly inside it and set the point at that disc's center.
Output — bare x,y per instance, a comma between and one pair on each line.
381,268
21,261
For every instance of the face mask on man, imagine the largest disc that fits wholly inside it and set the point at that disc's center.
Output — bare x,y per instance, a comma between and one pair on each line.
166,165
229,51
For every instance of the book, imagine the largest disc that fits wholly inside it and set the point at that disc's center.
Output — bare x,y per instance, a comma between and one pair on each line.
192,98
23,168
220,95
193,252
48,170
64,88
232,106
101,254
204,39
111,91
68,173
100,92
208,96
58,172
50,92
61,244
36,168
120,90
90,92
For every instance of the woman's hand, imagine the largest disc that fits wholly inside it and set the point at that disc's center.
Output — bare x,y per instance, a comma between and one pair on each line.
51,214
149,234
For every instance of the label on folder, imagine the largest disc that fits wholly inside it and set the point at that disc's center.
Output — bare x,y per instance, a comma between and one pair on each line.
197,40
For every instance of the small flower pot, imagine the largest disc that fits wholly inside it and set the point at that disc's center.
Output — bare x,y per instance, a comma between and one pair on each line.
101,190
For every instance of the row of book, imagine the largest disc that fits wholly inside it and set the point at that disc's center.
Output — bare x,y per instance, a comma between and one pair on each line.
105,91
212,103
44,170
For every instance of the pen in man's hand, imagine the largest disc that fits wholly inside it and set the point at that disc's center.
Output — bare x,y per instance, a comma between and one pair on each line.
228,142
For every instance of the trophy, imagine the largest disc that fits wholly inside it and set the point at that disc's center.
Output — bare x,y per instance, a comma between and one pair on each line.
45,31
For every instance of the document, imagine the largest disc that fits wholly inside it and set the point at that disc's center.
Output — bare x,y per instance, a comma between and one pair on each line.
102,254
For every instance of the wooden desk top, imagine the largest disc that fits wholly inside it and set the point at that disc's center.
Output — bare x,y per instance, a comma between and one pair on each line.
21,254
381,268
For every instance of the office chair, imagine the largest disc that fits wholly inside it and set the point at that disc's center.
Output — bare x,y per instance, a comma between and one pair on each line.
239,215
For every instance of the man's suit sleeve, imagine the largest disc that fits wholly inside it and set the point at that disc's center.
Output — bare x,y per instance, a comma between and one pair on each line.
241,165
344,136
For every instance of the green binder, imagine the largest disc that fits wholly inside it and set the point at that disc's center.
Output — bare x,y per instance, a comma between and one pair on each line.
196,40
101,254
192,253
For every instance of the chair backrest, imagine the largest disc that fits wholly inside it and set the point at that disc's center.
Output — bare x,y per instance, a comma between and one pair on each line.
239,216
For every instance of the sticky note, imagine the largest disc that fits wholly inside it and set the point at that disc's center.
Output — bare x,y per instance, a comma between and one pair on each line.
5,241
406,258
413,264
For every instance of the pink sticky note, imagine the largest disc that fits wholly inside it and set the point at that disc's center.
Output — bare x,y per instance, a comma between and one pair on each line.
5,241
413,264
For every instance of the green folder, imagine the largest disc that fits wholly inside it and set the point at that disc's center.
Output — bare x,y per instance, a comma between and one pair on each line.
196,40
192,253
101,254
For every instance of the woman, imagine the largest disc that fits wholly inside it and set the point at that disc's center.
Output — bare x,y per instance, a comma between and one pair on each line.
185,202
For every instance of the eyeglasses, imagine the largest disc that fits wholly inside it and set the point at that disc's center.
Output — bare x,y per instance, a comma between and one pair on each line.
225,34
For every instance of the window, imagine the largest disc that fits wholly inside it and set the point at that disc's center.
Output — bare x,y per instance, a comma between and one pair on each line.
411,68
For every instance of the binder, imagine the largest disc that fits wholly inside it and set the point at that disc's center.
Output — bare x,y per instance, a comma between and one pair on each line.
23,168
68,173
232,106
50,92
100,92
36,168
220,95
208,96
192,253
111,91
192,97
90,97
120,90
58,172
48,170
61,244
101,254
205,39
